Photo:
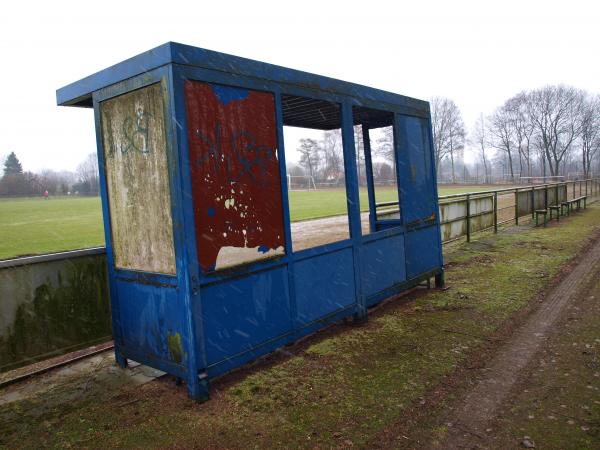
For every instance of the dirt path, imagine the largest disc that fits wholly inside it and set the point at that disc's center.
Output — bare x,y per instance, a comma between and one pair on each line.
482,404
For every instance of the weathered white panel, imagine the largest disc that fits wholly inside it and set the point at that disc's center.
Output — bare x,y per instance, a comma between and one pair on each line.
562,194
452,211
485,207
137,176
482,205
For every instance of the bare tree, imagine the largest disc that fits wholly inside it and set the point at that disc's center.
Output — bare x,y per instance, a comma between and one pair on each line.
555,113
87,174
309,156
457,136
590,133
333,155
502,135
480,138
360,154
448,131
522,128
384,145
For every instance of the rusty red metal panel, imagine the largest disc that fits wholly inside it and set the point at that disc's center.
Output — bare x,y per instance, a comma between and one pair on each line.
235,173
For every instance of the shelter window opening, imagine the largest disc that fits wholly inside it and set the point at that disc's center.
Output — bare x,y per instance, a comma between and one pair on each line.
375,143
315,173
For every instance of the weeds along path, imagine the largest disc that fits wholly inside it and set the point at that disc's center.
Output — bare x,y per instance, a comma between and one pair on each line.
481,405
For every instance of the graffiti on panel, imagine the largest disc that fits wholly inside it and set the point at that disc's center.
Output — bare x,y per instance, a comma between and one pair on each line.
135,132
235,174
137,179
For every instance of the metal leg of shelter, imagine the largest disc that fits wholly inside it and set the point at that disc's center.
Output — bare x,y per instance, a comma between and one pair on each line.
198,387
360,317
440,280
120,359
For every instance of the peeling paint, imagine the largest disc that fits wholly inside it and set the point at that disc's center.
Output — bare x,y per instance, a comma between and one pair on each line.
235,174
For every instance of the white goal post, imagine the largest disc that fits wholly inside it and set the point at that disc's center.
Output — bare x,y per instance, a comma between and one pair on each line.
301,183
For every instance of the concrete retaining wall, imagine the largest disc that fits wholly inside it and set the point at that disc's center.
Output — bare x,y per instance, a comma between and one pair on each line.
52,304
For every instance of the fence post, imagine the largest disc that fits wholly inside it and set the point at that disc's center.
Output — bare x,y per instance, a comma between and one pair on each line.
516,207
468,218
546,197
574,182
532,202
495,211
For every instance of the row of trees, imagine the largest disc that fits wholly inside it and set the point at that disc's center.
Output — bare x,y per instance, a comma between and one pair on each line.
17,182
554,130
551,131
323,159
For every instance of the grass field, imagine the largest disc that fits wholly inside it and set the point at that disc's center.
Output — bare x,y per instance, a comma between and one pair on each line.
34,226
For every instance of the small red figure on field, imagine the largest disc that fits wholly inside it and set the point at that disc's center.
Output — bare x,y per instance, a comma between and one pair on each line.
46,195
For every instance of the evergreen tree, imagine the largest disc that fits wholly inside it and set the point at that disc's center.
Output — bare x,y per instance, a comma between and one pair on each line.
12,165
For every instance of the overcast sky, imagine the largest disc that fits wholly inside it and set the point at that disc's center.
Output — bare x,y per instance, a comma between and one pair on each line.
477,53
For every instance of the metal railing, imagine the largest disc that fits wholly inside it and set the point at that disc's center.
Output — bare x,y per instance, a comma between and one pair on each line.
464,214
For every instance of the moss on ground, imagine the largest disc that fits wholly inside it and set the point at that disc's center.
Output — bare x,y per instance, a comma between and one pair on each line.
341,387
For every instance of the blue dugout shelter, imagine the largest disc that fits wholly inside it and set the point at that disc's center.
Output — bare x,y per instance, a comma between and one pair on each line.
196,194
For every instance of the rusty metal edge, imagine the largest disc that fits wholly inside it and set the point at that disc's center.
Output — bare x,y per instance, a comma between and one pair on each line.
85,354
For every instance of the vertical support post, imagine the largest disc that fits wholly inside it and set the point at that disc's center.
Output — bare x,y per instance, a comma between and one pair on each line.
353,204
440,280
495,211
546,197
187,265
532,202
370,181
516,207
574,189
468,218
115,305
285,202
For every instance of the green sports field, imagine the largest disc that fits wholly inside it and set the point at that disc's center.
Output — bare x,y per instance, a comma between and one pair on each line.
33,226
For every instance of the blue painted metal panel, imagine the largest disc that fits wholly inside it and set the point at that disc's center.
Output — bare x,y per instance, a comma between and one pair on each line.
153,321
242,313
268,346
78,93
417,189
422,251
323,285
383,264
